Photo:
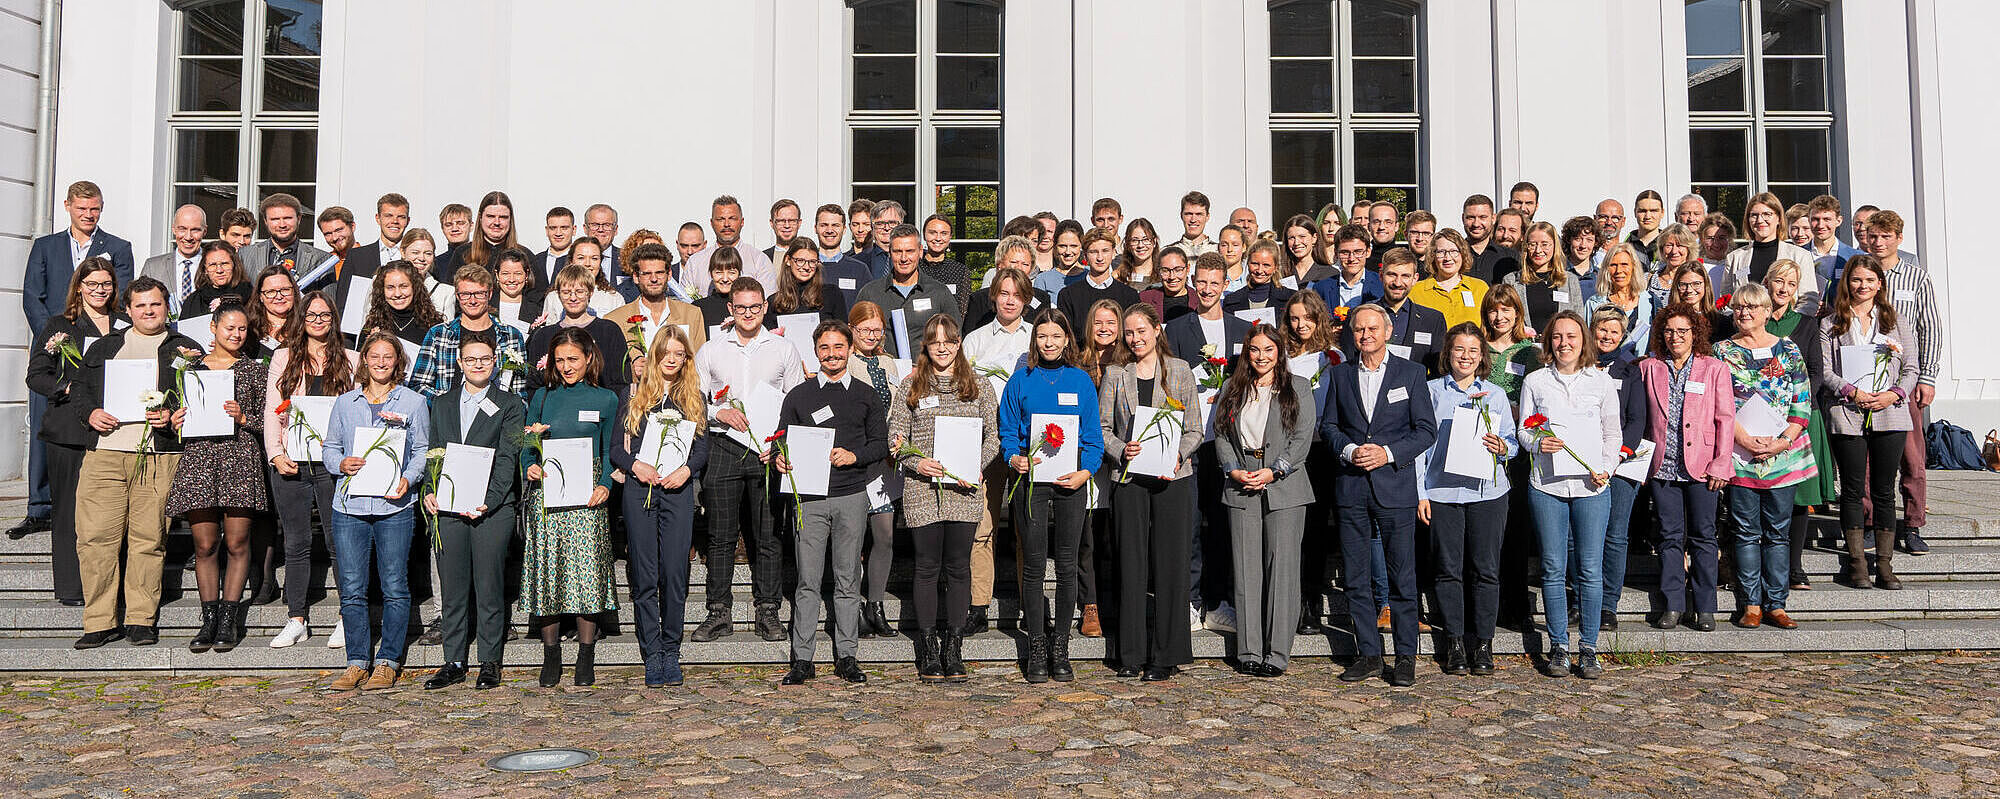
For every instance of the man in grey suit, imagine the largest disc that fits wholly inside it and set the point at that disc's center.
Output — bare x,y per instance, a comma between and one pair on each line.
281,214
177,269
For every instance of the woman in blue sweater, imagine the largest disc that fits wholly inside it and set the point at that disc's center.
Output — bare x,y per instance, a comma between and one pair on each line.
1049,516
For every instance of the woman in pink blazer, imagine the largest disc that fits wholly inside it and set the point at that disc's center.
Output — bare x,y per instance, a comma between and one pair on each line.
1691,411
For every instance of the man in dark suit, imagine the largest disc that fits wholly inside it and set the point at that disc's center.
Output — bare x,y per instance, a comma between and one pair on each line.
1416,332
1355,284
392,217
1378,419
1206,325
473,564
560,226
1204,329
177,268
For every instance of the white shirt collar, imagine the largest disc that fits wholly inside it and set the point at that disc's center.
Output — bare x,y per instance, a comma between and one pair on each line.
846,375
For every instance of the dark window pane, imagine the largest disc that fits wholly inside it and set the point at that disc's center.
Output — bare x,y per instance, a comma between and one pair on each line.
1303,156
1302,87
1385,157
1803,192
1714,27
974,211
205,156
884,154
307,230
1384,28
291,27
288,156
1715,84
1405,197
904,195
211,84
1796,156
968,154
1794,84
968,26
213,29
1794,28
1719,156
968,83
1727,200
1302,28
1289,200
1385,87
213,199
885,26
885,84
291,84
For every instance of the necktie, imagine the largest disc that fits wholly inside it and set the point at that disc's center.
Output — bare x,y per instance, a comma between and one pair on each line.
187,280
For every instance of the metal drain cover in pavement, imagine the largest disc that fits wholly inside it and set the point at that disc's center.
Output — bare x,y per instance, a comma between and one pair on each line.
555,759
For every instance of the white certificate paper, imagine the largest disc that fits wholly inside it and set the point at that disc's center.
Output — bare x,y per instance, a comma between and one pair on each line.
1857,366
798,329
665,447
1465,452
303,442
1266,315
760,405
381,449
899,326
463,482
1757,418
206,392
197,328
568,472
355,314
1207,399
1582,431
1307,366
1053,463
955,443
1636,467
1159,443
124,380
810,450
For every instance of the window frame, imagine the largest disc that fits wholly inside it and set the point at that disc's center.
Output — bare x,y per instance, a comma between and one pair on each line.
1756,121
1344,122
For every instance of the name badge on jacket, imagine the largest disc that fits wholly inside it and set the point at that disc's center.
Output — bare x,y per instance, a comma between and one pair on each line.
920,304
487,407
1065,398
586,417
1398,394
928,402
1421,337
824,413
1695,387
847,284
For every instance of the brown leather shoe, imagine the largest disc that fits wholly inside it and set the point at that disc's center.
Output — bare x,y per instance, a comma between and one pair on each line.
1092,627
383,679
1383,622
1777,617
1751,618
350,679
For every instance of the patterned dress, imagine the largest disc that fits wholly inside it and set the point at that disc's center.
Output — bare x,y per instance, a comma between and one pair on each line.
226,471
1822,488
566,563
1778,374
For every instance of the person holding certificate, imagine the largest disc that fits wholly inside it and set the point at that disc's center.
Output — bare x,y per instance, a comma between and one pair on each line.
800,289
566,570
1571,412
1773,407
122,485
477,422
1871,355
661,447
305,375
55,373
870,364
1100,344
1264,425
1462,490
944,415
1151,417
1050,482
220,484
1693,425
1793,322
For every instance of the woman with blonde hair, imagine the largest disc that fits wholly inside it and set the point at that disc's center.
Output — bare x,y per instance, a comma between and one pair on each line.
1619,287
659,505
1544,278
1791,323
871,363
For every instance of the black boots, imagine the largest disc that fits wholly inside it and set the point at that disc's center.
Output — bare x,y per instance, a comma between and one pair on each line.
875,622
1482,657
1036,669
234,617
717,625
975,621
930,666
551,666
1885,555
1362,668
1059,668
1454,656
586,665
953,658
211,625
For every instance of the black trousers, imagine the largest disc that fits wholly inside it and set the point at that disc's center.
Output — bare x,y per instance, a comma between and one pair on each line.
1688,547
656,545
297,496
1398,528
63,464
1050,521
1868,466
1210,579
943,548
472,572
1155,529
1317,545
1465,543
738,502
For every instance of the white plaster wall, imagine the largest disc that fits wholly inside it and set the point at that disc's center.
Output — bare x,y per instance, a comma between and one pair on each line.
20,69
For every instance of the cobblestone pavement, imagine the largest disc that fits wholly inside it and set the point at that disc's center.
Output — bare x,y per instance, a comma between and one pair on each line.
1909,725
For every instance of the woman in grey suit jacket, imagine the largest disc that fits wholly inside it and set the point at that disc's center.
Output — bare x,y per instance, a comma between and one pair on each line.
1154,513
1264,423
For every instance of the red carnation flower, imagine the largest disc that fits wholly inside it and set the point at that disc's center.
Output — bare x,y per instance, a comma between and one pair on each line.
774,436
636,319
1723,302
282,408
722,394
1625,452
1218,362
1053,434
1534,422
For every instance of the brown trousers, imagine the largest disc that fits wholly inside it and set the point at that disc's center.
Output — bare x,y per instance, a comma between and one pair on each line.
122,506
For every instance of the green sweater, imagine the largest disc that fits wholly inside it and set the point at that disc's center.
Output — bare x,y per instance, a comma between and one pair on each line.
564,409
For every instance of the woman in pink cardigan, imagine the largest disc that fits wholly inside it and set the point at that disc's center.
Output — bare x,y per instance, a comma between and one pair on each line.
1691,411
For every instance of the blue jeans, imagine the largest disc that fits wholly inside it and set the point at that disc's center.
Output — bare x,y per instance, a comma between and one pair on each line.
1561,522
383,543
1617,542
1763,543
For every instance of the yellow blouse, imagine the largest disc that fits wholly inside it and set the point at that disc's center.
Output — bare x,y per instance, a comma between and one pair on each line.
1458,304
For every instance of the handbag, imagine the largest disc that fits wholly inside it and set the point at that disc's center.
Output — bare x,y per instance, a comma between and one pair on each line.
1990,452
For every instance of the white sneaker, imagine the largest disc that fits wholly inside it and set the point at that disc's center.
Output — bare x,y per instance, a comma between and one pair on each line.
1223,618
336,639
295,632
1194,617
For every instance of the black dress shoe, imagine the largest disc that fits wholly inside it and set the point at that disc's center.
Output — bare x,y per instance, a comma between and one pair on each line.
847,669
801,671
93,640
1309,622
142,634
489,676
975,621
1362,668
1608,621
1667,620
1405,673
1454,657
1481,657
1703,622
1127,672
1157,674
70,603
28,526
448,675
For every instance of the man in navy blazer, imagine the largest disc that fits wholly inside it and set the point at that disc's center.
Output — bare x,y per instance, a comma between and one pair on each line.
1378,419
52,258
1187,335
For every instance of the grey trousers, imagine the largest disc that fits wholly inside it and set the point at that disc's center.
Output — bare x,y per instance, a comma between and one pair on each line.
833,526
1265,551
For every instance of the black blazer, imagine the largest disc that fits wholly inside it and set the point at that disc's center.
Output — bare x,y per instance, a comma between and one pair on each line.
1408,323
67,421
361,263
610,339
544,276
1404,423
488,430
625,446
164,438
1185,338
1239,300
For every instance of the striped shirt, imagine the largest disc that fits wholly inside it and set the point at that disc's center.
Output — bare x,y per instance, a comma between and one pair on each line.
1910,292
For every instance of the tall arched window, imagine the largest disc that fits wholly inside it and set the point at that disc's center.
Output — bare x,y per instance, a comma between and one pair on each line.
1759,116
1346,103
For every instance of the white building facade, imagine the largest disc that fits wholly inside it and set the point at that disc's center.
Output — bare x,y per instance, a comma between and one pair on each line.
985,109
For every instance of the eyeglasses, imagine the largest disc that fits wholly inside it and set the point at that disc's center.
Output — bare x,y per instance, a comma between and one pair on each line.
275,294
600,225
486,361
1676,331
99,285
802,261
753,308
573,292
319,316
474,295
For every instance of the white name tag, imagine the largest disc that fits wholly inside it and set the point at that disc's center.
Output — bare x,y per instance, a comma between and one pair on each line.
920,304
1761,353
1421,337
1516,368
1398,394
1236,349
1466,297
847,284
1617,385
928,402
1034,302
953,288
1399,351
1905,295
1694,387
487,407
1066,399
587,417
824,413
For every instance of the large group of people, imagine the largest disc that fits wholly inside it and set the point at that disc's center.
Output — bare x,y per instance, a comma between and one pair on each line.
1457,414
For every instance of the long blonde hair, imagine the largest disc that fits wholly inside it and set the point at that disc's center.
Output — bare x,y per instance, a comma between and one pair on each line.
650,385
